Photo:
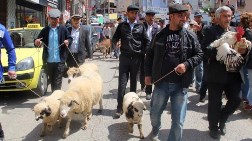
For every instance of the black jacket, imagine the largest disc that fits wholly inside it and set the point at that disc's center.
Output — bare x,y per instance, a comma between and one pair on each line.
84,43
133,42
191,55
248,36
63,34
216,71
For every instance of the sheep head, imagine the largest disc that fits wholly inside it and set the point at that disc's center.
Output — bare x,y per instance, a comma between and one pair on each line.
135,110
42,110
67,104
72,72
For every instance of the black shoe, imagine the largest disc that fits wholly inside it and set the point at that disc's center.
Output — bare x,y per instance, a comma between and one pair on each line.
1,132
202,99
214,134
148,96
223,129
118,113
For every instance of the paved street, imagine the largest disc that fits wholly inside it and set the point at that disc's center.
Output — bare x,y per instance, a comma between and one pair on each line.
19,122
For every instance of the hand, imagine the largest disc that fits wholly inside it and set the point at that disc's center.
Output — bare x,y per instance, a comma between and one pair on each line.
198,27
38,42
66,43
180,68
242,50
12,74
147,80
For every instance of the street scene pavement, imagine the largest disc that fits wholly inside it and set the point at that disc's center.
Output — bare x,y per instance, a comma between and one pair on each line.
19,122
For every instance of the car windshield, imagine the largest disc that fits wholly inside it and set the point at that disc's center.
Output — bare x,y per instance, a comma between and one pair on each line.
24,38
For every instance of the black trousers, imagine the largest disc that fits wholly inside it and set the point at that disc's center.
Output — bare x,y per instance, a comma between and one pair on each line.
72,62
128,67
203,87
148,88
55,72
217,114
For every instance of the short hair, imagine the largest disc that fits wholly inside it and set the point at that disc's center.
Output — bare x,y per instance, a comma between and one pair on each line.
220,10
119,18
246,18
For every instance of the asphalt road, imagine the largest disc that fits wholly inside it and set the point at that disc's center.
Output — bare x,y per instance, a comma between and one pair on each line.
19,122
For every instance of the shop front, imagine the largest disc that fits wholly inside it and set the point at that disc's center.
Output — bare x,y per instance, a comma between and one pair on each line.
30,11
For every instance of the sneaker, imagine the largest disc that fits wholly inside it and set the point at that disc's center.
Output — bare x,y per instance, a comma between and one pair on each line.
148,96
118,113
245,101
247,107
214,134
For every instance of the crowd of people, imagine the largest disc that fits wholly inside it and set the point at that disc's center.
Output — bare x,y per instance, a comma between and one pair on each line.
171,57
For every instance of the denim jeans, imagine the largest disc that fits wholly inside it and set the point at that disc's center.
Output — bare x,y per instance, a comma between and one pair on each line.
178,97
249,96
245,90
198,76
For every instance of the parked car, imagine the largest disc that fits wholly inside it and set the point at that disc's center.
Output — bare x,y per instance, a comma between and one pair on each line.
30,69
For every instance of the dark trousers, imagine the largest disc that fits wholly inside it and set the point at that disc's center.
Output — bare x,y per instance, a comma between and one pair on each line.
203,87
55,72
148,88
217,114
128,67
72,62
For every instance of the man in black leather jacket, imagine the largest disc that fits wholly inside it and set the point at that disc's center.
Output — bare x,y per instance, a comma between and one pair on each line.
218,77
134,41
173,50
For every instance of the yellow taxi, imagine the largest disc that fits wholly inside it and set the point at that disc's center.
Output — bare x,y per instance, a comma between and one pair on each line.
29,66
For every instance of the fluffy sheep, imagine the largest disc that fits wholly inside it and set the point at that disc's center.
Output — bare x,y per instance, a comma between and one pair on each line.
75,72
83,93
133,108
48,110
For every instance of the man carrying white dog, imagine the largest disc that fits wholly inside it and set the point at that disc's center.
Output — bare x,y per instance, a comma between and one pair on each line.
218,75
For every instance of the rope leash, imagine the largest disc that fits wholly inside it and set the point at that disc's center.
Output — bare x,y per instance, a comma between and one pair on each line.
113,75
161,79
22,84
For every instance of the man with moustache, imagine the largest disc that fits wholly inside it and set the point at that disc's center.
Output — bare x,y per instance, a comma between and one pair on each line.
219,78
134,41
56,39
173,50
81,42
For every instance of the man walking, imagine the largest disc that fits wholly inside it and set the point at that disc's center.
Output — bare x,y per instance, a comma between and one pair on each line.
6,41
174,50
219,78
134,41
151,29
56,39
80,44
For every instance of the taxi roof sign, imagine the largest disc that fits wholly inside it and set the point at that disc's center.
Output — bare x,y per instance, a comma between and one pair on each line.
33,26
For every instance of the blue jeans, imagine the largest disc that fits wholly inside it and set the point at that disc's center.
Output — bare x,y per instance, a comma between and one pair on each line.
198,76
249,96
178,97
245,90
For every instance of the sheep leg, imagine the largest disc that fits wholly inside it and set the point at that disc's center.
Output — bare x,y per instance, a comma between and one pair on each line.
43,130
66,133
101,106
49,127
130,125
60,122
89,115
140,130
84,127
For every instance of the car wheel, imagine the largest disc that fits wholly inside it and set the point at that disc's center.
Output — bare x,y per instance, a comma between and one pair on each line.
42,83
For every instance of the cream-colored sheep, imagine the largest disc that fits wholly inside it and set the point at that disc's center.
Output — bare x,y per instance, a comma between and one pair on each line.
75,72
133,108
48,110
83,93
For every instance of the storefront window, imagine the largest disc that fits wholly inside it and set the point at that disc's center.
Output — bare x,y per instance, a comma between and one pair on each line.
26,15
